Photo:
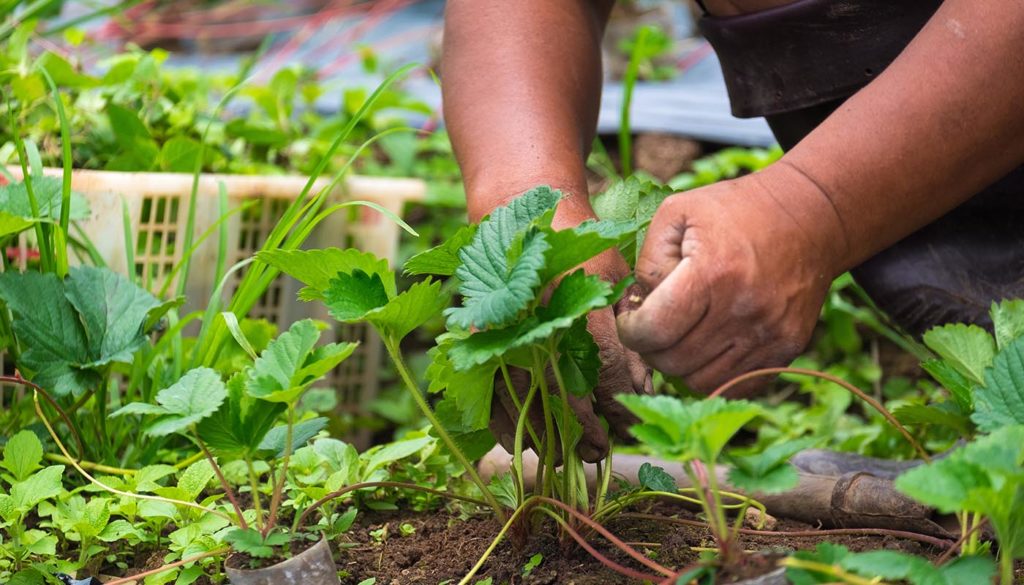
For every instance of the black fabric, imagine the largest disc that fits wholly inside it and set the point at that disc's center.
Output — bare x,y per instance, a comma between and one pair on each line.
810,52
776,64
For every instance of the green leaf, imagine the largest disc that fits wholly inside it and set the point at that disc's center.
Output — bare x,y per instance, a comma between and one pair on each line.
277,439
414,307
579,359
113,310
180,154
576,295
1000,402
23,454
292,363
572,247
656,479
943,484
351,296
500,266
377,458
768,472
943,414
11,224
237,428
959,387
138,150
195,478
49,198
969,349
1008,321
685,431
444,259
249,541
49,331
197,395
889,564
968,571
496,290
317,268
825,553
42,485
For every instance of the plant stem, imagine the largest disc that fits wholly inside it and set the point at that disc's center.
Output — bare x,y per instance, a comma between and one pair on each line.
421,402
626,571
517,449
494,543
835,380
549,426
830,570
161,569
1005,568
97,467
571,463
275,497
105,487
228,491
254,485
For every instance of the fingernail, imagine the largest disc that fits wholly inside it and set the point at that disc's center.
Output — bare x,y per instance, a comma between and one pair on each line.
649,383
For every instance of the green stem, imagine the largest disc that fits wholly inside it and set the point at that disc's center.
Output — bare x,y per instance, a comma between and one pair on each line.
403,371
1005,568
494,543
275,497
571,464
26,177
254,485
517,450
549,426
92,466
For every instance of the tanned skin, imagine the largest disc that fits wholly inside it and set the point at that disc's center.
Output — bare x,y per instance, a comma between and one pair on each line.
735,272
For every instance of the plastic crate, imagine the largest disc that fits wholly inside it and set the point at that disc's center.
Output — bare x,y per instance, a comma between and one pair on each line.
157,205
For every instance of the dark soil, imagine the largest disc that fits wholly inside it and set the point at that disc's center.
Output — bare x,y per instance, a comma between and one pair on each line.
444,548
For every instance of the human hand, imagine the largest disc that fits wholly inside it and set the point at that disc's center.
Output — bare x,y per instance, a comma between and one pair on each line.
736,275
622,371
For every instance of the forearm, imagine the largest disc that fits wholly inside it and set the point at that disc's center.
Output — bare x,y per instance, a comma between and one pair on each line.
942,122
522,83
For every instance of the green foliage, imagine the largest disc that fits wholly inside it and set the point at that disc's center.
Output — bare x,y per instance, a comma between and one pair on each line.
237,429
196,396
1000,402
890,565
769,471
656,479
72,329
293,362
22,455
254,544
986,477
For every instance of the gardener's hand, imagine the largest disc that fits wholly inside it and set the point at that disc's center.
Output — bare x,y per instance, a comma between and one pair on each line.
622,371
735,275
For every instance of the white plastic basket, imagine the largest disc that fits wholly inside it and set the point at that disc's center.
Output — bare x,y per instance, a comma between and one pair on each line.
157,205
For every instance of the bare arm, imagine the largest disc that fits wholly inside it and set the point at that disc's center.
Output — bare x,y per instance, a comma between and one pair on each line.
738,270
522,87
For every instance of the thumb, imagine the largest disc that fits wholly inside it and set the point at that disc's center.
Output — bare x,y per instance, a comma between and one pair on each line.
668,313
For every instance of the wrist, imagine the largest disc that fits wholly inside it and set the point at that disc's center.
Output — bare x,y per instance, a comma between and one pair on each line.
794,199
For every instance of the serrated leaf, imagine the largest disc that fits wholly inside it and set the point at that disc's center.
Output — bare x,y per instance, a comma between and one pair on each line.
316,268
197,395
496,289
576,295
572,247
23,454
237,428
943,484
943,414
49,331
579,359
195,478
276,440
113,310
655,478
350,300
968,348
377,458
292,363
1000,402
14,200
350,296
442,260
959,387
42,485
1008,321
769,471
685,431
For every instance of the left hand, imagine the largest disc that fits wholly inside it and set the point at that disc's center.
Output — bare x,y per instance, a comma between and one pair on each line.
736,273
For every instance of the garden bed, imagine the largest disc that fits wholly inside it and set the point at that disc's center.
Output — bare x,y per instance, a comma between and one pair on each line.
444,547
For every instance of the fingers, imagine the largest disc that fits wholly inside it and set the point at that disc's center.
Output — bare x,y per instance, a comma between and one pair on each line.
593,446
670,311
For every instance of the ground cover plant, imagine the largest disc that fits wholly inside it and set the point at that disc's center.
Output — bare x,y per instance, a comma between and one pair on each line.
137,451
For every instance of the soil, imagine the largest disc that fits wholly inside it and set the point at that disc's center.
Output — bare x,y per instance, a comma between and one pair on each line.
445,548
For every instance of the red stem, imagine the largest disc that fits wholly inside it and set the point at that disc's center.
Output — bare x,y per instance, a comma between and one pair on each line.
631,573
835,380
608,535
230,493
17,379
963,538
